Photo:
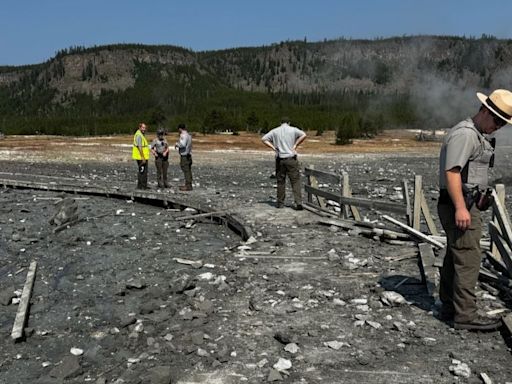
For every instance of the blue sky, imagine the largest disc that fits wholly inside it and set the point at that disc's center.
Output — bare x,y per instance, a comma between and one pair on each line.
31,31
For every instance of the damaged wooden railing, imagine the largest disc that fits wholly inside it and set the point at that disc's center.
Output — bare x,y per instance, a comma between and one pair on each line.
497,272
348,205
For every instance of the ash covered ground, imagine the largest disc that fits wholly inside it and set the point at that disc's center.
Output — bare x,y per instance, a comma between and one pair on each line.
303,297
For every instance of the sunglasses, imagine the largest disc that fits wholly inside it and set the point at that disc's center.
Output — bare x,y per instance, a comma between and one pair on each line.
498,120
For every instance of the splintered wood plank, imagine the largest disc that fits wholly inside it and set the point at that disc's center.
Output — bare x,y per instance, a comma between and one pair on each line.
497,264
428,217
501,245
502,218
417,202
21,315
500,192
413,231
200,215
426,264
314,183
407,201
347,192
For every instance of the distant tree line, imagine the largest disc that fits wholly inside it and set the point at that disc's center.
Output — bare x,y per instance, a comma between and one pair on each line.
239,89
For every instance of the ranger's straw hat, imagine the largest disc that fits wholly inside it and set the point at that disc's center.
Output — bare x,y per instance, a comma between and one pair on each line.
499,102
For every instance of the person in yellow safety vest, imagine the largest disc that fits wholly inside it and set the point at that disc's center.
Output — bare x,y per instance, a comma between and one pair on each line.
140,153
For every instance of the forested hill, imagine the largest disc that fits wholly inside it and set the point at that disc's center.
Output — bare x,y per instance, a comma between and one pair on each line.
357,85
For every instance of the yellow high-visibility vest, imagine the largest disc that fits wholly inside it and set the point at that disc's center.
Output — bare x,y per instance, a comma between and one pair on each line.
145,147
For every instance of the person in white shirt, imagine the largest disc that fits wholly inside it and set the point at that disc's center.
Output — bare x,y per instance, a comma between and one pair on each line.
184,147
284,141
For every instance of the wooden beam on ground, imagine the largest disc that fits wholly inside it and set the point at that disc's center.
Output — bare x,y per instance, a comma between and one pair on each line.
500,192
248,256
428,217
407,201
503,248
319,211
360,202
498,264
426,264
76,221
417,202
200,215
413,231
338,223
487,275
21,315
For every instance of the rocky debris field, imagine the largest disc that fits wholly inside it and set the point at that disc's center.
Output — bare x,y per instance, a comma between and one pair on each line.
132,294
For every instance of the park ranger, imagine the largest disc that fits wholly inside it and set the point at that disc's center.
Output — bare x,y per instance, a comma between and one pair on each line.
464,161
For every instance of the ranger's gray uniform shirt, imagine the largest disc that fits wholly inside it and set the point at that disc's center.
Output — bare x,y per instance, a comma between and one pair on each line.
462,144
159,145
283,138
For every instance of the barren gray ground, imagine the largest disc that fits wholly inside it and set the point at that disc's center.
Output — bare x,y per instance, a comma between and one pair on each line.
112,288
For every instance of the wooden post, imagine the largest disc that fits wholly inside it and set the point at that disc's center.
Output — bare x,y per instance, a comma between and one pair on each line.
407,200
417,202
308,182
428,218
347,192
21,315
314,183
500,192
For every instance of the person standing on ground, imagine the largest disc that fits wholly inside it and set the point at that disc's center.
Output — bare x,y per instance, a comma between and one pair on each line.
464,161
184,147
284,141
160,149
140,153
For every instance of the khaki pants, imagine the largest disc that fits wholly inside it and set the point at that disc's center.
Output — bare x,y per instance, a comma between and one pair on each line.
289,166
161,171
461,264
186,167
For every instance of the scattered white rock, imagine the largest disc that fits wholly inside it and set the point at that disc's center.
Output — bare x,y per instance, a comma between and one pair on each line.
168,337
205,276
359,301
335,344
262,363
392,298
282,364
338,302
77,351
292,348
374,324
459,368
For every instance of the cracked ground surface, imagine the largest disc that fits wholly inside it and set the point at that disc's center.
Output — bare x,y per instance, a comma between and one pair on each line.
116,288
